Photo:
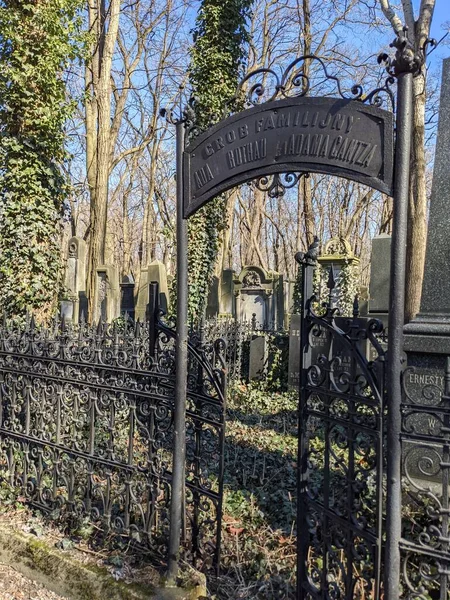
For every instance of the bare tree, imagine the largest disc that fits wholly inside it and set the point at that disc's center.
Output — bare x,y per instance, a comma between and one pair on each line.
418,33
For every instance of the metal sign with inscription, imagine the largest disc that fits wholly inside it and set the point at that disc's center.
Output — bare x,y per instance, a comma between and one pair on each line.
300,134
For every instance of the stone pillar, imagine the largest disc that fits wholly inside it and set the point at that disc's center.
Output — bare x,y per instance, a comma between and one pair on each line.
426,424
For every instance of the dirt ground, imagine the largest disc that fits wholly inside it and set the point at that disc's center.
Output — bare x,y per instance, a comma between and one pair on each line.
13,586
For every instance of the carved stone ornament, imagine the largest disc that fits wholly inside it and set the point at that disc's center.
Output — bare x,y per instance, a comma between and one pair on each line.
252,280
73,250
338,247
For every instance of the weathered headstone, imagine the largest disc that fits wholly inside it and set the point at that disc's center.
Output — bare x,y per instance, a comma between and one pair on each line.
108,294
156,272
75,280
258,357
259,293
226,293
221,298
212,306
427,336
127,296
380,275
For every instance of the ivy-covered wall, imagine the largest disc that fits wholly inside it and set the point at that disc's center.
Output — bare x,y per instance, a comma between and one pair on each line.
217,61
37,39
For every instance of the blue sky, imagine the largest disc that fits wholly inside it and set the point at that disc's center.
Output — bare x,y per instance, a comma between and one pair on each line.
441,15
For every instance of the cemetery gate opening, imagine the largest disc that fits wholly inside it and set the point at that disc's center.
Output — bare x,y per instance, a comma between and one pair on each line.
286,133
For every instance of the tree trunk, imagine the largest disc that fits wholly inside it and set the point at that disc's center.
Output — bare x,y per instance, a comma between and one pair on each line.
99,155
417,222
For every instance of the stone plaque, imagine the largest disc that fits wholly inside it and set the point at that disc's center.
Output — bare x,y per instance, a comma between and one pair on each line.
423,386
323,135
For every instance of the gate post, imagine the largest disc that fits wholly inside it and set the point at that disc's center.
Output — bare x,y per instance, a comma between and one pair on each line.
395,337
307,263
181,356
405,65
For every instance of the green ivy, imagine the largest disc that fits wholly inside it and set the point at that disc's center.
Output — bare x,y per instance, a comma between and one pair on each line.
37,41
217,61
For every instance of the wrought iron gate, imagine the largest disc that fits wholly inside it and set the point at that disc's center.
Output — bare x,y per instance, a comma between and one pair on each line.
341,415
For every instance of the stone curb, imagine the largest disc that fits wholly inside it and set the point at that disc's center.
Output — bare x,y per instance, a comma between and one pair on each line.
64,575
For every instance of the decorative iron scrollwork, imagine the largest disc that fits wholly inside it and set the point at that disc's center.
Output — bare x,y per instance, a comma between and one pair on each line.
276,185
407,59
86,428
341,440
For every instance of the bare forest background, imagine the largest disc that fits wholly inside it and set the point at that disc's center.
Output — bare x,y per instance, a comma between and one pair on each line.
121,162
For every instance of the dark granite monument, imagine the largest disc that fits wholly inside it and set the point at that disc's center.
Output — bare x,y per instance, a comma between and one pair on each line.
427,337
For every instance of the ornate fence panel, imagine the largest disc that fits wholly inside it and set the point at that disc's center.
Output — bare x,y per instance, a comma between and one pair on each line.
425,540
86,428
340,508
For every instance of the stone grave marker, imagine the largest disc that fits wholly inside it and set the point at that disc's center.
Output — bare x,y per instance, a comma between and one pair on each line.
127,296
294,352
258,293
258,357
75,278
427,336
380,275
155,272
108,294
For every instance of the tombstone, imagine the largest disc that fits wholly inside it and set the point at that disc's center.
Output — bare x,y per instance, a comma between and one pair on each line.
258,357
259,293
127,296
221,299
82,306
380,275
75,278
289,302
155,272
294,352
212,306
226,294
427,336
108,294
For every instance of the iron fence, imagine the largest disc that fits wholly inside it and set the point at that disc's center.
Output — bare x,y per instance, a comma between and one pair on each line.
237,336
86,428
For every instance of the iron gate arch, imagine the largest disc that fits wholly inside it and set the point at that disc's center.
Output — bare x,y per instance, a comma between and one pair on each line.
242,148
